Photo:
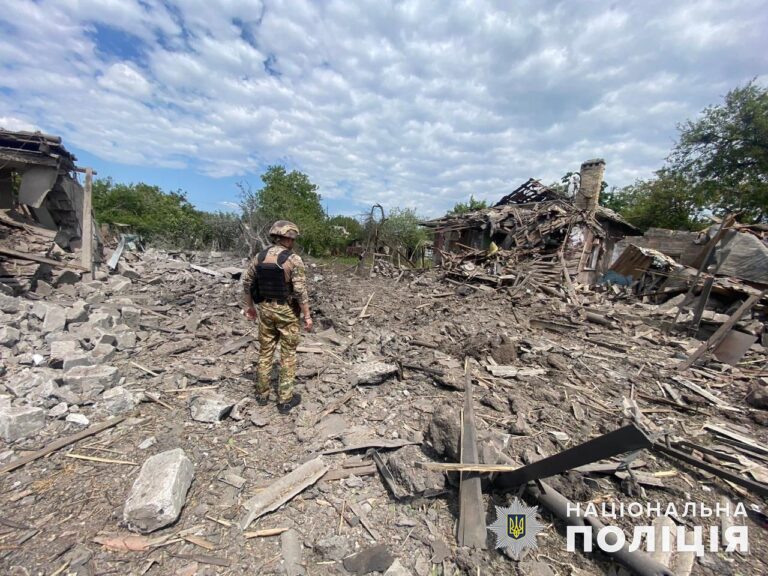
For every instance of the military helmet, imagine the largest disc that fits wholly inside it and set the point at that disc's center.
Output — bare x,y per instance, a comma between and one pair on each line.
285,229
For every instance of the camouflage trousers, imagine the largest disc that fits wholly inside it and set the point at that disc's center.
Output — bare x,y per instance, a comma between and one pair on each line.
278,324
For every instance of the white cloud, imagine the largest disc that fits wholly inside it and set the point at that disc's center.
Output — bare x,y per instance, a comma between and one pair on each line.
416,102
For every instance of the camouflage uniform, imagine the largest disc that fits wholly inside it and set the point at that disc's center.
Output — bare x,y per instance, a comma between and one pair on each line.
279,323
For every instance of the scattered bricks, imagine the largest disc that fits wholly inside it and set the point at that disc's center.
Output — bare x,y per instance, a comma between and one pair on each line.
9,304
103,353
78,360
43,289
20,421
39,309
58,411
77,418
101,320
65,277
210,408
119,284
78,312
159,492
373,372
9,336
62,349
131,316
55,319
107,339
88,381
28,379
118,400
126,339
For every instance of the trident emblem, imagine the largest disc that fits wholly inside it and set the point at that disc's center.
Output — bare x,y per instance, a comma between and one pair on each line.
516,525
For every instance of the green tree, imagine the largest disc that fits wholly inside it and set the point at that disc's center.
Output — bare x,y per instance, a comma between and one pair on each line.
401,229
344,231
287,196
666,201
724,154
471,206
161,217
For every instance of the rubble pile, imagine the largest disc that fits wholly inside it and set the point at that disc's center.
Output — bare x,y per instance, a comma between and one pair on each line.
131,441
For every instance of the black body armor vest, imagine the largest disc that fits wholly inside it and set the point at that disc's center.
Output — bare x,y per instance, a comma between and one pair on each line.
269,282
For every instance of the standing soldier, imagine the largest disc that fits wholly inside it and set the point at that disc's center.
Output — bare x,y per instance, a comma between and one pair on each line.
277,282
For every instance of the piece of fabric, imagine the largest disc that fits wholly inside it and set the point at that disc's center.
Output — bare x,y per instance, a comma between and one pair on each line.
295,273
278,325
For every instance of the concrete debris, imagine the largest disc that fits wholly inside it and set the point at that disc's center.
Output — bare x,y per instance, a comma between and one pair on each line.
55,319
373,372
159,492
9,336
554,359
210,408
374,559
17,422
118,400
77,418
148,443
58,411
89,381
333,547
444,431
397,569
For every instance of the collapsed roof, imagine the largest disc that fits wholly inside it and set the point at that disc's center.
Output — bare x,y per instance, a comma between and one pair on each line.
48,186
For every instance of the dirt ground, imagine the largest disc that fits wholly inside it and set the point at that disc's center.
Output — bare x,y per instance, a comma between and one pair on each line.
53,509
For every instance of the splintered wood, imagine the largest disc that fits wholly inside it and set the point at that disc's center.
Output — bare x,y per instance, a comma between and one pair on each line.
472,530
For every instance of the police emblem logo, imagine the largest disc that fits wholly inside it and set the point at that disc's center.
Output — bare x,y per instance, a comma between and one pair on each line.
516,527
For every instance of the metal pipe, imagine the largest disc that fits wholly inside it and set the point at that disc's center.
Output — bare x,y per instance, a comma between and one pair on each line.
638,562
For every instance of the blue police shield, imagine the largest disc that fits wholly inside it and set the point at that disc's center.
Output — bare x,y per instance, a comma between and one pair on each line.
516,526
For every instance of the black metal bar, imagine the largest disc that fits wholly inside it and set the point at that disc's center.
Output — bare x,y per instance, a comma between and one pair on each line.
626,439
751,485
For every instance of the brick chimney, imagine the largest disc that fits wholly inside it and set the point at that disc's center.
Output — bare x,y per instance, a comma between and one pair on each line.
591,181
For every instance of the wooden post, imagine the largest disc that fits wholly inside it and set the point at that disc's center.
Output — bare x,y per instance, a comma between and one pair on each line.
87,225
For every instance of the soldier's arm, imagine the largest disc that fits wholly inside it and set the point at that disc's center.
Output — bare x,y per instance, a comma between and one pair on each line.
250,274
299,281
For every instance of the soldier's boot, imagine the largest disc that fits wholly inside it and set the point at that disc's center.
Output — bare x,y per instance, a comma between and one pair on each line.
286,407
262,388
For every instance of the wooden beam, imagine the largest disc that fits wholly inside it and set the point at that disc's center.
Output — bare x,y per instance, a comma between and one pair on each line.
472,530
61,443
87,230
721,332
41,259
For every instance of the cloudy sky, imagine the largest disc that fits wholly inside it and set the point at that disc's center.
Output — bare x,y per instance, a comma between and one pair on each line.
411,103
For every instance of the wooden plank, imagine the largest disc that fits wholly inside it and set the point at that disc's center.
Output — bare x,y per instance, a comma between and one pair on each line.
340,473
283,490
370,443
721,332
41,259
61,443
705,394
235,345
87,224
472,530
737,437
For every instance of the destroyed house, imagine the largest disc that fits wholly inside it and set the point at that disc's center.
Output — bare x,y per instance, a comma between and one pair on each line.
535,221
42,211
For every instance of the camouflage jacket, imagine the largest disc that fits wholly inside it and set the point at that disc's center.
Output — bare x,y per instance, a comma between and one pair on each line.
296,275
